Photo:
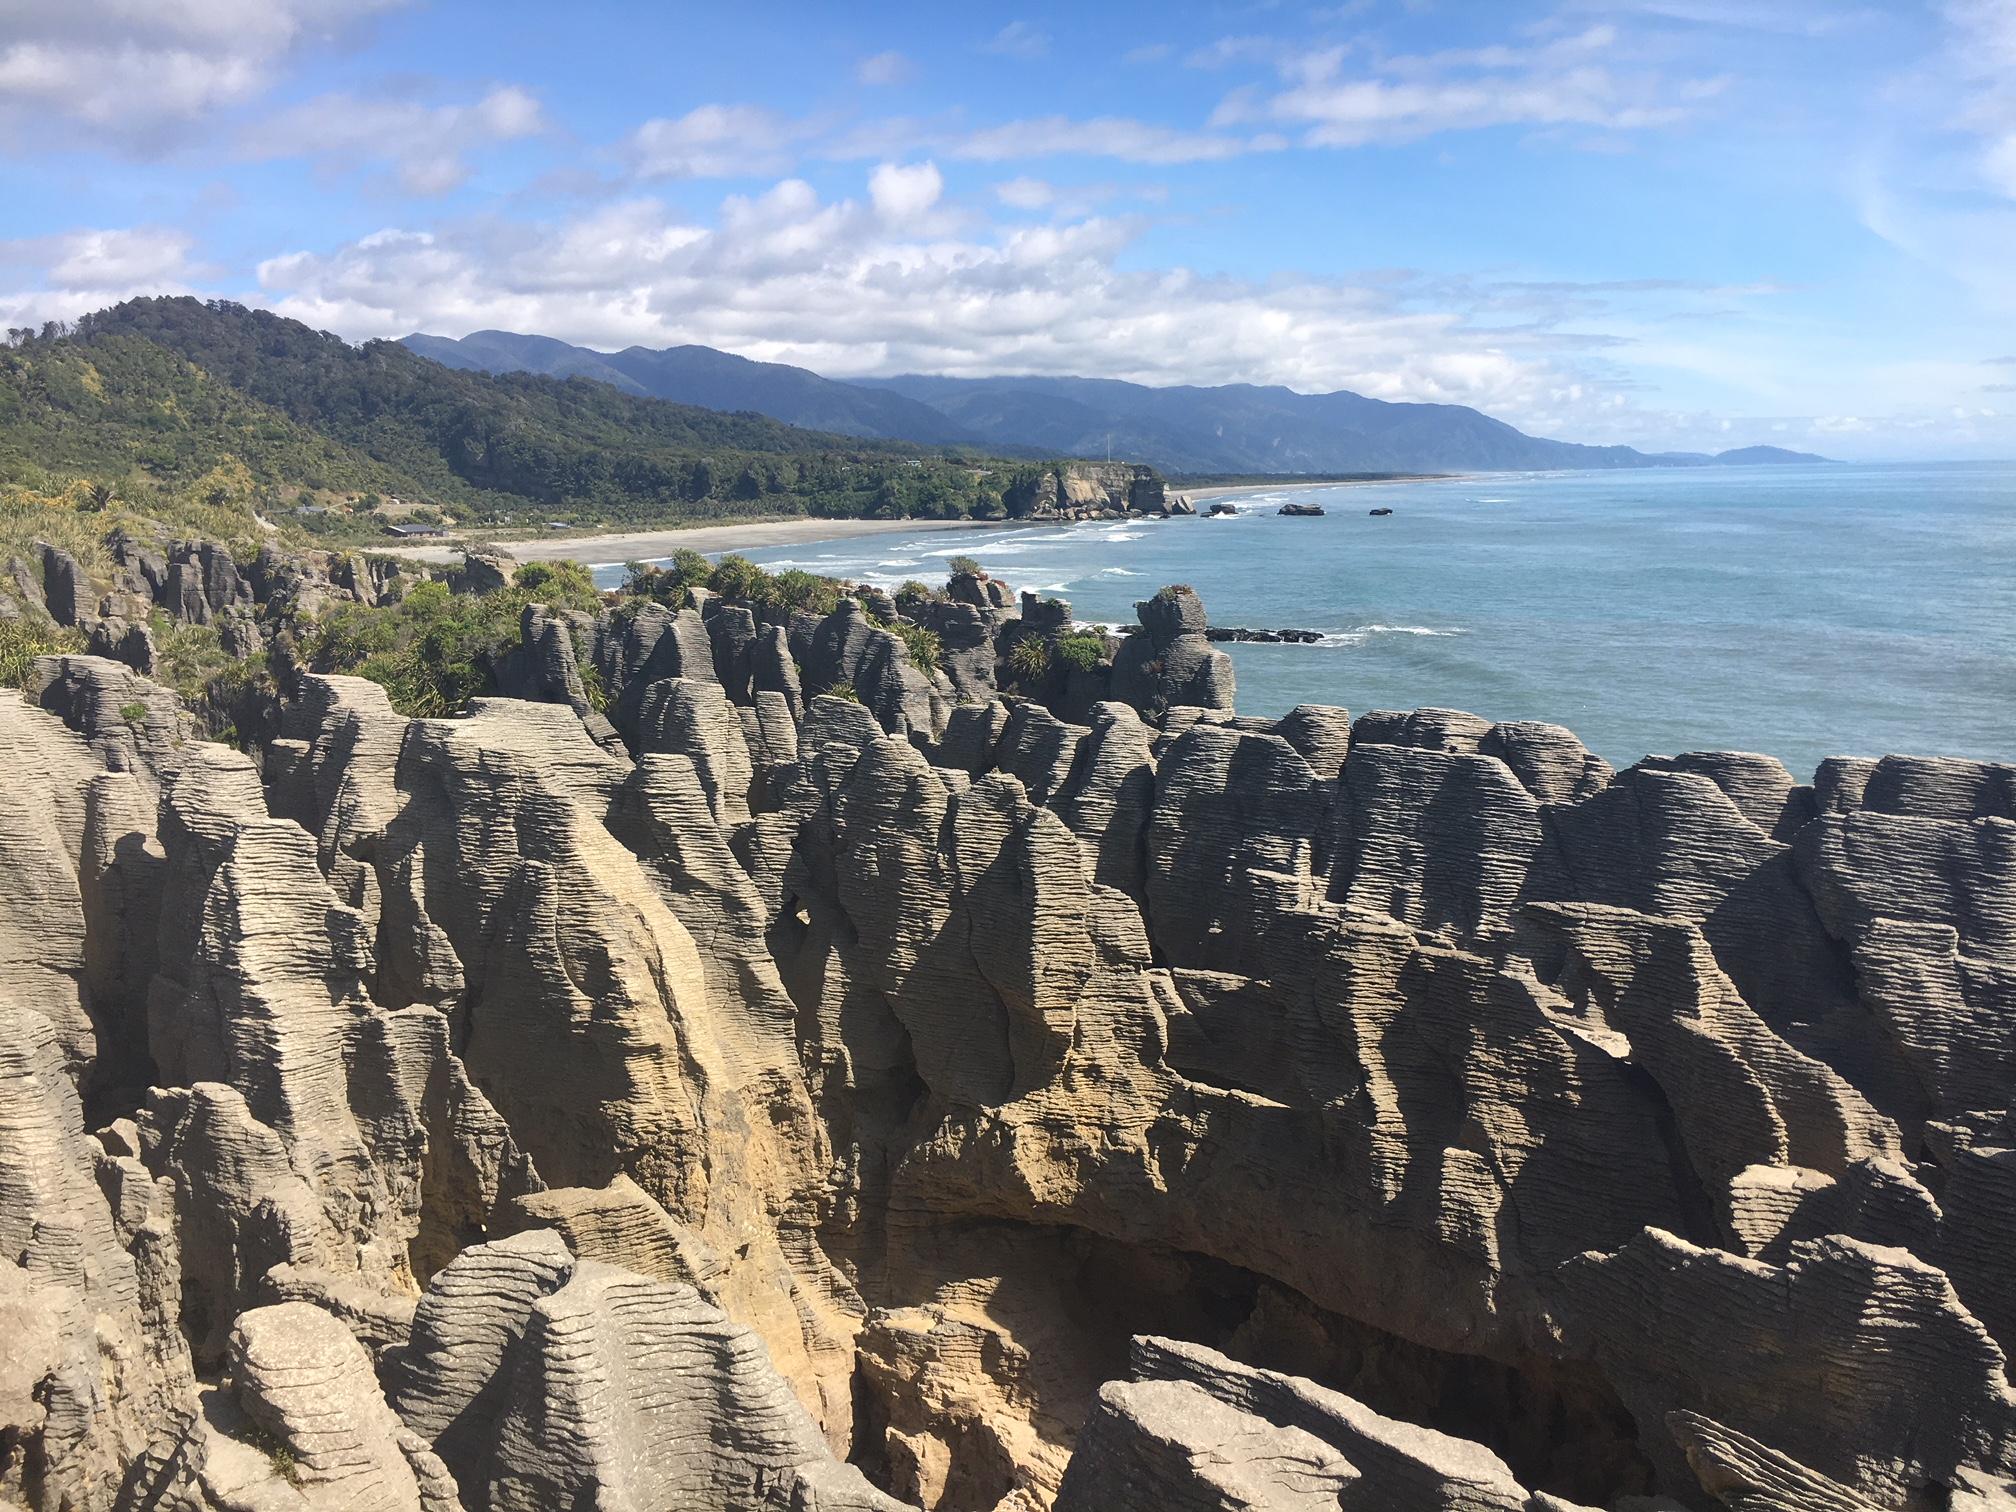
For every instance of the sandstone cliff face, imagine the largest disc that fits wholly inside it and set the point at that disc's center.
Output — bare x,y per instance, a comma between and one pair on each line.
1130,1105
1088,490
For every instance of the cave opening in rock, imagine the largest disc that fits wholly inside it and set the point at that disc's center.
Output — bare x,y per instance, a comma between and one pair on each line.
1067,1303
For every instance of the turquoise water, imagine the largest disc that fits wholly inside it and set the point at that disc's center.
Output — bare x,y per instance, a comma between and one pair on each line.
1799,611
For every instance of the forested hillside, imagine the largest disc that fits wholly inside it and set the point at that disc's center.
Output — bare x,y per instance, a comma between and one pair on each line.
145,398
119,409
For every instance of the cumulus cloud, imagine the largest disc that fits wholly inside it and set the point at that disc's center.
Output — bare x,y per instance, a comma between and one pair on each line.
904,193
885,68
844,286
133,73
101,260
854,287
70,274
427,145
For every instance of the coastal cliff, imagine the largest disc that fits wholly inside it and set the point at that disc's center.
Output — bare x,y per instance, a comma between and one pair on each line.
757,1065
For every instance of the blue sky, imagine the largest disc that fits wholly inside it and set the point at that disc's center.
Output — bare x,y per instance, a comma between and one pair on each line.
1673,223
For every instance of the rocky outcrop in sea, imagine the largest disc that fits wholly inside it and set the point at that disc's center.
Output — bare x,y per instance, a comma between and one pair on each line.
820,1082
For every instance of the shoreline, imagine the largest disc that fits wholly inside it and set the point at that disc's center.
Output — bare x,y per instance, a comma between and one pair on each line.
652,545
1221,490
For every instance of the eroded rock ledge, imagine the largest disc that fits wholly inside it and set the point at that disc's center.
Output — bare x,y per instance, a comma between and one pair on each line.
761,1098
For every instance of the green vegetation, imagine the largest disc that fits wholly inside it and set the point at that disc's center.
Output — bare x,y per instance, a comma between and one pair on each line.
925,647
733,577
434,650
132,419
737,577
431,651
147,397
914,592
566,585
841,690
24,639
219,505
1083,649
958,564
1029,660
275,1448
188,657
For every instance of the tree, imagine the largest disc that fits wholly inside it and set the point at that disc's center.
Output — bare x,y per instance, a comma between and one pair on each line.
689,568
736,577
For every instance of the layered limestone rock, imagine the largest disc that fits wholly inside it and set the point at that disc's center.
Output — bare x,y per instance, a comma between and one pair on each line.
1168,662
91,1365
1195,1429
548,1382
308,1384
1121,1104
610,1042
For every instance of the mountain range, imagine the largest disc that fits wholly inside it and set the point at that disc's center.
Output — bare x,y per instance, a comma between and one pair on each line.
1233,428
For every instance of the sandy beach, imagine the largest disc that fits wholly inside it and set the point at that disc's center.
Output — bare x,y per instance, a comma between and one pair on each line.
650,545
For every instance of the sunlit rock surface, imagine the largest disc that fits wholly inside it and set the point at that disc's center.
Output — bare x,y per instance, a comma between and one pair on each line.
821,1084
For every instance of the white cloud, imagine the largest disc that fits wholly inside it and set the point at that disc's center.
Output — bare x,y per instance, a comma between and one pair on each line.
842,286
426,144
132,73
1228,51
1568,82
1024,193
1018,39
1793,18
1119,137
852,287
1983,56
885,68
100,260
904,193
894,280
716,141
70,274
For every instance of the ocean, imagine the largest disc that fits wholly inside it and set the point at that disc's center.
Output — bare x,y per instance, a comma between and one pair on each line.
1801,611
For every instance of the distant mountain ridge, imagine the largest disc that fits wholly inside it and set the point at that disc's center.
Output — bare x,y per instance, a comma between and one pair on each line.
711,379
1232,428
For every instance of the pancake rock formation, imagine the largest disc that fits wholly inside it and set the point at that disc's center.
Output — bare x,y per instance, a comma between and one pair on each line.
727,1092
